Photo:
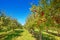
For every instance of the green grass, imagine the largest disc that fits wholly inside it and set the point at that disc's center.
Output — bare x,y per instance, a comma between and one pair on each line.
47,36
10,34
23,34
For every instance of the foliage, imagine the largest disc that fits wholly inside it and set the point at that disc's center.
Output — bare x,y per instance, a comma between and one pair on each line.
8,27
45,16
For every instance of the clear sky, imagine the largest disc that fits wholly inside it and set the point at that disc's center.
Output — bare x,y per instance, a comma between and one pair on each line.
18,9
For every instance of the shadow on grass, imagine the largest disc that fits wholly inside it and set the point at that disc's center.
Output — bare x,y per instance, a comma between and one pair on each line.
14,34
44,36
48,37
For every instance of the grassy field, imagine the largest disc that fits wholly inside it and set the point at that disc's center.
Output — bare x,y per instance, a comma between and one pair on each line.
23,34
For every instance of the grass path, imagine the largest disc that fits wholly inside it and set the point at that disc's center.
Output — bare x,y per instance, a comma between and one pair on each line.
25,36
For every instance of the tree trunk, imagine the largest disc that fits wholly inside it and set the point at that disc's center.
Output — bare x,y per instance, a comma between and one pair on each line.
40,36
58,33
46,29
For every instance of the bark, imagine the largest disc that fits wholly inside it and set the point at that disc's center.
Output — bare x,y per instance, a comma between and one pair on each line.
40,36
58,33
46,29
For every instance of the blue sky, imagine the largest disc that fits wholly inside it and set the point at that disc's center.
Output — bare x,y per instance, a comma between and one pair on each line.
18,9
